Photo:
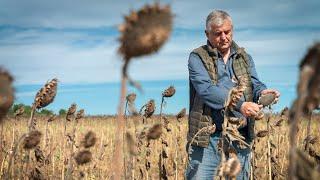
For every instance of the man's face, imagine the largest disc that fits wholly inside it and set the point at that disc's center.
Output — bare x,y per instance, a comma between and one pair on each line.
221,36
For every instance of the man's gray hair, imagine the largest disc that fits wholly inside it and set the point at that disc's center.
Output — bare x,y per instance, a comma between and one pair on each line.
217,17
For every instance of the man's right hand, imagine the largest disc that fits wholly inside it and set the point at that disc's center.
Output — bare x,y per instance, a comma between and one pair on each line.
250,109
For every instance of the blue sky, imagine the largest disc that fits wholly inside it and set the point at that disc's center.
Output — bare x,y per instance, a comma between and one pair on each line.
76,41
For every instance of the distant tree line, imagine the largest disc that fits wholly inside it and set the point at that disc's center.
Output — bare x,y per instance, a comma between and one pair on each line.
27,110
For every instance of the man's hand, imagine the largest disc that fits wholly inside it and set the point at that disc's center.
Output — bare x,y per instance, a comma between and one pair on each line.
267,91
250,109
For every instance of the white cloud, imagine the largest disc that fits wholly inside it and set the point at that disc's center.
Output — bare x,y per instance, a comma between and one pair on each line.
77,42
41,59
189,14
36,56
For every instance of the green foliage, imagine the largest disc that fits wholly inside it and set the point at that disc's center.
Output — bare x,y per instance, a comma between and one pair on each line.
45,112
12,109
27,110
15,107
62,112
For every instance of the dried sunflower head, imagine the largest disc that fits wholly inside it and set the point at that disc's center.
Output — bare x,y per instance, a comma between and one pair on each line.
154,132
131,97
234,167
181,114
236,93
267,99
72,109
306,169
19,111
169,92
308,87
83,157
89,139
311,139
230,168
150,108
6,92
130,102
145,31
262,133
46,94
32,140
285,112
278,123
52,118
80,114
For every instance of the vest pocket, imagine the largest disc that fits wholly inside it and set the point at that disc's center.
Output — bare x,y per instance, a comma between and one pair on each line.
197,121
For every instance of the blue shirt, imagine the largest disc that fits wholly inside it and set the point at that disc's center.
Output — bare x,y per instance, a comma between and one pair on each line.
214,95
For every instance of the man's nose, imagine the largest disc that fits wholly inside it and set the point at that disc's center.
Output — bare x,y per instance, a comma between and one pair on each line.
223,36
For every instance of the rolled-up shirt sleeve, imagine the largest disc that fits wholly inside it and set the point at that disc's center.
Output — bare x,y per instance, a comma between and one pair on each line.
257,85
212,94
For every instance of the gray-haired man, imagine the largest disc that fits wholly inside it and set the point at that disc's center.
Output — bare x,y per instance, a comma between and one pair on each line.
213,70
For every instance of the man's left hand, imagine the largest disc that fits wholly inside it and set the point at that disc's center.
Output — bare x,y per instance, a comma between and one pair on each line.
267,91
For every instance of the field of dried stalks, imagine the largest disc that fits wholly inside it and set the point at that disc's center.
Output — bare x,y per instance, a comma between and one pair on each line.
51,159
143,147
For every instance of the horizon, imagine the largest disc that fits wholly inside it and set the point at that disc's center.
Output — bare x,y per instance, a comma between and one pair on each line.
103,98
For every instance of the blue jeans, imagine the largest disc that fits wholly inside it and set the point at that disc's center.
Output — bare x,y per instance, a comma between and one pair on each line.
204,162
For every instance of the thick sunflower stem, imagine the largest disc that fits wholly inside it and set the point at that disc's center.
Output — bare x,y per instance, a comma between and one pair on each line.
118,159
293,139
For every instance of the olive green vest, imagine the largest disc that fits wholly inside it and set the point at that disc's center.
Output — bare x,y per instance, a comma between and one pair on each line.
199,113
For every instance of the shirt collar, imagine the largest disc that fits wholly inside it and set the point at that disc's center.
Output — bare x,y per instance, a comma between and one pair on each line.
233,48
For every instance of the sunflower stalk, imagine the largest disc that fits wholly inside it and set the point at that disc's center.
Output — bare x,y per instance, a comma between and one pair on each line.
71,153
118,167
269,148
143,32
125,109
161,106
230,133
13,154
30,122
307,100
44,97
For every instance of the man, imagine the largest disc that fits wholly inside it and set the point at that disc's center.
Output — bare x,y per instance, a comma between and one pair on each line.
213,70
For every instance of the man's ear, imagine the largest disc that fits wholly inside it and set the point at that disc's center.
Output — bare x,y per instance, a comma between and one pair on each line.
207,33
